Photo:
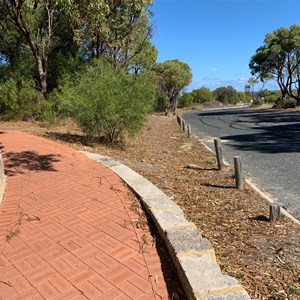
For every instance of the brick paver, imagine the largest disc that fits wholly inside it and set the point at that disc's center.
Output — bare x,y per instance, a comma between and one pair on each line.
66,229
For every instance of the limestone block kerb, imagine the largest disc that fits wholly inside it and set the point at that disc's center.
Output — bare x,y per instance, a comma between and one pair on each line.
188,241
202,279
193,255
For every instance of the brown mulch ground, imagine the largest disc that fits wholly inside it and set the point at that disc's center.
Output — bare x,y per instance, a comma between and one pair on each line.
263,256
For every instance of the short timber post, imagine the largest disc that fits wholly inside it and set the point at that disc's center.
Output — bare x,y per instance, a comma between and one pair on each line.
274,212
183,125
219,154
189,131
238,172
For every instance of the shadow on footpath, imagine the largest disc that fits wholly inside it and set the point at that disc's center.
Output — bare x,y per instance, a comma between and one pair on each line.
173,284
82,139
69,138
20,162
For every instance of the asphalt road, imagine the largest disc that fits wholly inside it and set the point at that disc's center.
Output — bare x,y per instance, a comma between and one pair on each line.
268,143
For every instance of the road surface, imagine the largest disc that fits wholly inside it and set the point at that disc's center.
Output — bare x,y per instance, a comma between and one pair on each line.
268,143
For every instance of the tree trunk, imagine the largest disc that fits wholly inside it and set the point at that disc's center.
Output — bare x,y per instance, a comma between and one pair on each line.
42,70
98,46
172,106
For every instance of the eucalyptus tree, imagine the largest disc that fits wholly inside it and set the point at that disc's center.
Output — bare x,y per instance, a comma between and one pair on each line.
42,25
172,78
279,59
117,30
225,94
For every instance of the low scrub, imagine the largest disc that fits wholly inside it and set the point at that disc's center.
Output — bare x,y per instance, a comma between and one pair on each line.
19,100
285,103
108,103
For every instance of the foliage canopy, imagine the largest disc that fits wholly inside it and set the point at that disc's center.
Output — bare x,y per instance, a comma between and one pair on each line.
279,58
108,102
173,76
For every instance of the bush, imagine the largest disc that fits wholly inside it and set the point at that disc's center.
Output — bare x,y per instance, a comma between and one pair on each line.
239,97
19,100
202,95
108,102
225,95
186,100
285,103
162,102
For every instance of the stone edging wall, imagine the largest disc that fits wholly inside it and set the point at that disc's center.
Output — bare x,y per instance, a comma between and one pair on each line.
192,254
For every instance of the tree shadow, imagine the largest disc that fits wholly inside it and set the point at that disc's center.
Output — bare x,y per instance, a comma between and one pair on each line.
20,162
269,139
69,138
83,139
202,168
171,278
174,286
218,186
261,218
269,131
1,147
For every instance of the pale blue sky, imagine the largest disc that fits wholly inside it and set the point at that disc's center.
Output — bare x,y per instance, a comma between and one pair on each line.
218,37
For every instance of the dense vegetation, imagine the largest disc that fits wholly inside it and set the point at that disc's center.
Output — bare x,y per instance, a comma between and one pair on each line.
91,59
225,95
94,60
279,59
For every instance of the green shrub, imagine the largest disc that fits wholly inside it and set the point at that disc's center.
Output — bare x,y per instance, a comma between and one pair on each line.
162,102
187,99
202,95
272,96
285,103
239,97
19,100
108,102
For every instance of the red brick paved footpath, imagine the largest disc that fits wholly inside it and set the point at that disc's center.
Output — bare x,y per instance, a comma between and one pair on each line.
66,229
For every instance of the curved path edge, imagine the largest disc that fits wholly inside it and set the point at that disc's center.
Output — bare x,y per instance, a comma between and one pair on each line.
192,254
2,179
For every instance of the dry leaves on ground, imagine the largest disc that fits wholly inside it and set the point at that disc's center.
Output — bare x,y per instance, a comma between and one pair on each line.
263,256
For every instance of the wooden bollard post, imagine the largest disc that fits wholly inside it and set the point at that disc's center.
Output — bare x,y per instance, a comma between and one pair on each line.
183,125
178,119
239,183
219,154
189,131
274,212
